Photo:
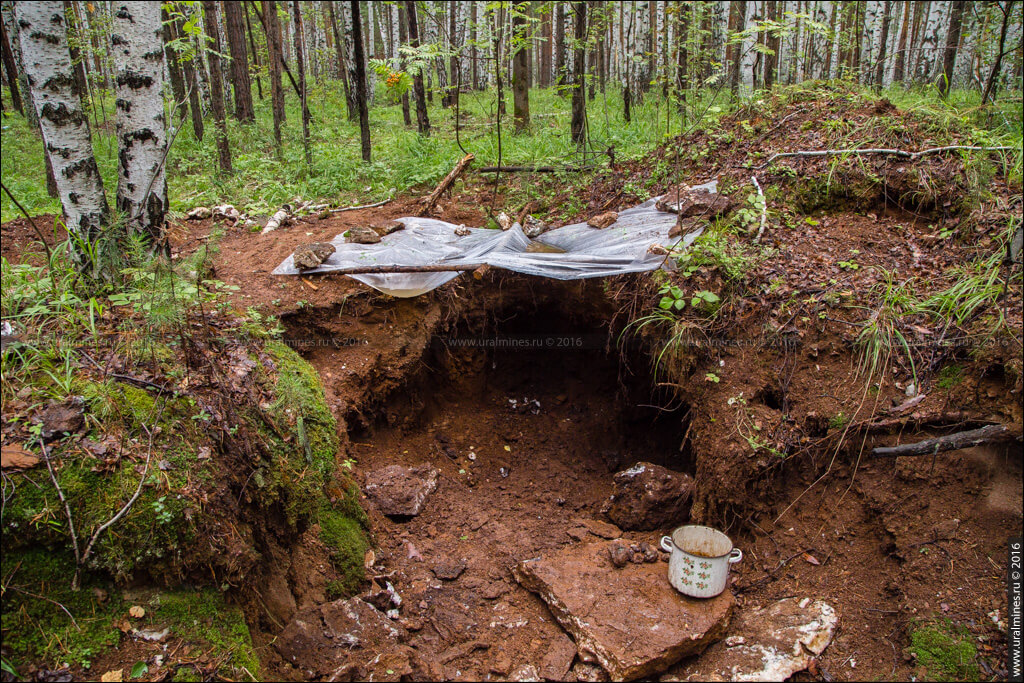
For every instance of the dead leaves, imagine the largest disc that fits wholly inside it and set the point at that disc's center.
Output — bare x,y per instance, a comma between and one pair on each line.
15,458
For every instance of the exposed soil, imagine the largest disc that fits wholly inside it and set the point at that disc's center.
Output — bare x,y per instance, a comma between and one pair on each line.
886,543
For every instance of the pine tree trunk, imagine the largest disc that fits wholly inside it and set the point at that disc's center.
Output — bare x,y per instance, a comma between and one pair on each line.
901,47
520,88
216,83
737,19
136,34
359,77
422,120
272,27
255,52
171,59
578,124
235,29
65,128
956,18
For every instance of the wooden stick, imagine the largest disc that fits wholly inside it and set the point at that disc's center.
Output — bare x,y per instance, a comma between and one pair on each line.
364,270
364,206
445,184
893,152
951,442
534,169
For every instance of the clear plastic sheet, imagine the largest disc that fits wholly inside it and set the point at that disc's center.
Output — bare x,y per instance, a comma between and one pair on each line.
587,252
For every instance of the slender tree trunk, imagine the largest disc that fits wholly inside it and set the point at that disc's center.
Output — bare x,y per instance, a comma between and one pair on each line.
141,131
560,43
255,52
422,120
683,17
883,44
474,74
74,39
272,26
773,44
171,59
578,124
235,29
19,73
403,38
65,128
359,76
901,47
298,34
454,63
12,71
956,19
341,46
520,88
216,83
990,84
737,19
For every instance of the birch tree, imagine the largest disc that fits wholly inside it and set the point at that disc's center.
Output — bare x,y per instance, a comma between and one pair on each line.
139,117
64,126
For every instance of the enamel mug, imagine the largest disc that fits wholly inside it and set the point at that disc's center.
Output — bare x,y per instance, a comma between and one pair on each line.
699,560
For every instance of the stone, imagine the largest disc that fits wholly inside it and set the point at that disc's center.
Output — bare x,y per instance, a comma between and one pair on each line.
340,640
449,571
602,529
648,496
362,234
308,256
770,643
59,418
694,203
384,228
526,672
505,221
462,231
534,227
603,220
619,554
400,491
630,620
558,657
199,213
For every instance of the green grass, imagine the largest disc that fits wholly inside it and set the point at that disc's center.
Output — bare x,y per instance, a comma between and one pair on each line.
401,157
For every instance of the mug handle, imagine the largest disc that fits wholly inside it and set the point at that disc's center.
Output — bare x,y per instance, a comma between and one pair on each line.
735,555
666,544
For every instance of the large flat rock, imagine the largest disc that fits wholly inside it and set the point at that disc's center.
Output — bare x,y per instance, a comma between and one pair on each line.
768,644
631,620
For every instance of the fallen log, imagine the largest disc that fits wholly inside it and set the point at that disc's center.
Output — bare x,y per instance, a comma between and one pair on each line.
445,184
950,442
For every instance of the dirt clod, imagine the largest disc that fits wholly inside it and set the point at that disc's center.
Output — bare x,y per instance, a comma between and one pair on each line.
648,496
401,491
603,220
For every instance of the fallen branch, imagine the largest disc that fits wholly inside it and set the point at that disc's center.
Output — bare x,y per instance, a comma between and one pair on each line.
764,208
366,270
276,221
892,152
364,206
446,183
534,169
951,442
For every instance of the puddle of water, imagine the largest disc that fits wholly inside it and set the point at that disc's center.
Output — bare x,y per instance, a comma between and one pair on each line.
538,247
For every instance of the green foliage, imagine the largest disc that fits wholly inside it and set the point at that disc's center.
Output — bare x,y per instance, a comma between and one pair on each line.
945,651
950,376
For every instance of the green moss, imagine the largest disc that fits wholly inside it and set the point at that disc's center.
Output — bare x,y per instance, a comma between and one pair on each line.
347,541
950,376
945,651
36,629
203,619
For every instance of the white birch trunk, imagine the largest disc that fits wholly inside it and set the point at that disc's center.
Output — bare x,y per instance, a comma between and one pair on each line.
64,126
931,38
136,33
748,55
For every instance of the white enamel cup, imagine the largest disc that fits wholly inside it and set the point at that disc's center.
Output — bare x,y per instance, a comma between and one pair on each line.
699,560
